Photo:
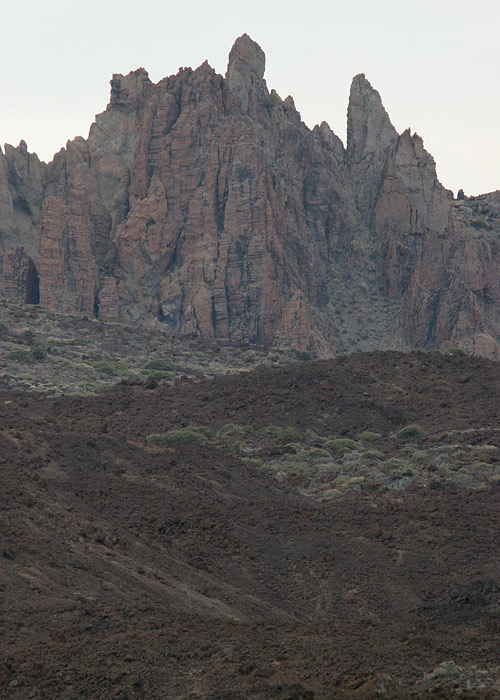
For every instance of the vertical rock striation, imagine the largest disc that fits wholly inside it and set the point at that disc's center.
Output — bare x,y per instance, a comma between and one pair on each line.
204,203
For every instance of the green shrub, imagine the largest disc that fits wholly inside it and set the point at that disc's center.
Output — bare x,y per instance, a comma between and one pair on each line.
410,447
410,431
257,463
395,475
447,669
21,356
160,363
158,374
330,494
394,463
111,368
203,429
400,474
240,447
301,454
290,457
452,350
482,466
270,102
315,452
485,448
420,456
368,436
356,480
39,353
295,466
479,223
295,446
345,482
28,335
268,467
342,445
288,433
183,436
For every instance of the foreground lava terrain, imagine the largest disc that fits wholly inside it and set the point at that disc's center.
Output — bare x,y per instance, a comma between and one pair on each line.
326,529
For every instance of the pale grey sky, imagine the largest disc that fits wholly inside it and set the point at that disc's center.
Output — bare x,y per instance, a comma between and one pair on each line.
436,64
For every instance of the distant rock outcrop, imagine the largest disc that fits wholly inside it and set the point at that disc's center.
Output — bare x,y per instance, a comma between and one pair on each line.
206,204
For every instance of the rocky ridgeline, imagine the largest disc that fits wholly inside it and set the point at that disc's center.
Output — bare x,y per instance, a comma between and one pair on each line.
203,203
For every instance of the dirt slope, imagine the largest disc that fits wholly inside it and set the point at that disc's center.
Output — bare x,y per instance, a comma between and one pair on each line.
135,568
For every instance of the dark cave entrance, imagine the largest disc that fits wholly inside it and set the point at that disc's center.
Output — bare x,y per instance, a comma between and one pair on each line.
96,305
32,285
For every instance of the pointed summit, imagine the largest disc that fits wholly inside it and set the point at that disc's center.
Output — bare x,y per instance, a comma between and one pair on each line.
369,128
247,57
245,69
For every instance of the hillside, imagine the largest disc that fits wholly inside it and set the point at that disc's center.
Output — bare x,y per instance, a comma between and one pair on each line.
326,528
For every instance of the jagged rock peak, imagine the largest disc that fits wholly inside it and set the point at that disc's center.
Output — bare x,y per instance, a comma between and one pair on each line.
369,128
246,57
245,72
127,89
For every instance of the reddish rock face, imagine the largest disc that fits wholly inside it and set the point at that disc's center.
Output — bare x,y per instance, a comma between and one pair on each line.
204,203
19,281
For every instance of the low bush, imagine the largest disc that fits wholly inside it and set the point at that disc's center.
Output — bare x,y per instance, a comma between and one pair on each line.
22,356
482,466
240,447
330,494
295,446
111,368
367,436
183,436
342,445
287,433
160,363
485,448
396,475
39,353
28,336
452,350
346,482
410,431
315,453
256,463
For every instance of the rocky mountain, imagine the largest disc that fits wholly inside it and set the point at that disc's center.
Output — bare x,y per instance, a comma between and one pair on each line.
205,204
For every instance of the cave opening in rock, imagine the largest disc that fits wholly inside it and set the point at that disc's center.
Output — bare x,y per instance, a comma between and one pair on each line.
32,285
96,306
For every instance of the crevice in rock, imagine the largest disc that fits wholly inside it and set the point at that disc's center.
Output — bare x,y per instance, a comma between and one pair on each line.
32,285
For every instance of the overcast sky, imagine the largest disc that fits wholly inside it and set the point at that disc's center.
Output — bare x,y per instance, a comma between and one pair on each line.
436,64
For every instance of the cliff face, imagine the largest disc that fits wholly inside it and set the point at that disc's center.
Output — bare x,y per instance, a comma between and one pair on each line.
204,203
